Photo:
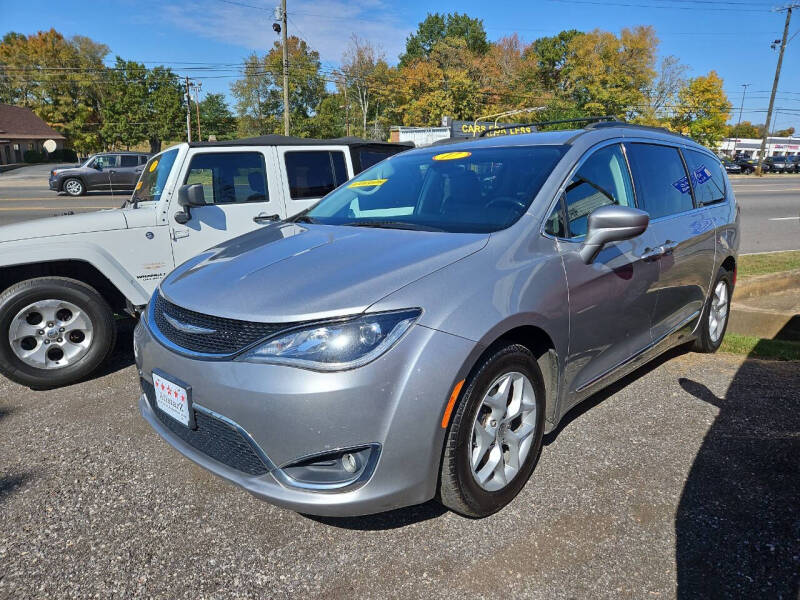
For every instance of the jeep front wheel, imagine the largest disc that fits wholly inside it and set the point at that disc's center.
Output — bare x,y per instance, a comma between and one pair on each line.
74,187
53,331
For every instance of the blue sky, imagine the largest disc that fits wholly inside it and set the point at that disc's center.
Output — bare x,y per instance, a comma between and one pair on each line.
733,37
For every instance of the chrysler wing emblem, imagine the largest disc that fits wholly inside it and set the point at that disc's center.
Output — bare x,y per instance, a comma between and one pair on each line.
187,327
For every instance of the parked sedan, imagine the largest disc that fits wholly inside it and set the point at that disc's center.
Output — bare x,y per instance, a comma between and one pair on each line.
109,172
416,333
731,167
778,164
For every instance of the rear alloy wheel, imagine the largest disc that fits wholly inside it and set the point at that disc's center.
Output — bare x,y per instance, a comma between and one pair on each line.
714,319
74,187
53,331
496,433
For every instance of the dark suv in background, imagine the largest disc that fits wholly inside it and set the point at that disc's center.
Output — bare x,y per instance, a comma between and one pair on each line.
108,172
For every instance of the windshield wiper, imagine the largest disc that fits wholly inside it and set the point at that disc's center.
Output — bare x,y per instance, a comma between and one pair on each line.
391,225
302,219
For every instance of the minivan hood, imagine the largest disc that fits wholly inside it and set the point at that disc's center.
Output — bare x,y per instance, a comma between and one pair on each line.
288,272
102,220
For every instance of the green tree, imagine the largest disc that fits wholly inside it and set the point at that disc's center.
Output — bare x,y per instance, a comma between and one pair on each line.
59,79
784,132
329,120
141,104
703,109
745,129
610,75
550,56
216,117
259,93
436,27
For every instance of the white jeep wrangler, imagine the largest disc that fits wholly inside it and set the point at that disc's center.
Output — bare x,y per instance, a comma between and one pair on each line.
63,279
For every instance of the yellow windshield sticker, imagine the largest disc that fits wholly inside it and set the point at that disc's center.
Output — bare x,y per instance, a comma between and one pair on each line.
367,183
452,155
153,166
138,186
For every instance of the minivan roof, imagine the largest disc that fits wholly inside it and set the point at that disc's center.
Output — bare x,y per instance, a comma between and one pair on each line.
283,140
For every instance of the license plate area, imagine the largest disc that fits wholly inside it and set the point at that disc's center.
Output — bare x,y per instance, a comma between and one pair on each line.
174,398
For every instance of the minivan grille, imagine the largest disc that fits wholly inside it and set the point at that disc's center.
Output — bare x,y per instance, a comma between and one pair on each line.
214,438
223,336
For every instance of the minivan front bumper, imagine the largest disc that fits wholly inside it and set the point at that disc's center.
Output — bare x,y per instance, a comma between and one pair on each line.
392,406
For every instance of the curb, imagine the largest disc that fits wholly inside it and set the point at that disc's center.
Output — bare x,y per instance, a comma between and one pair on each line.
760,285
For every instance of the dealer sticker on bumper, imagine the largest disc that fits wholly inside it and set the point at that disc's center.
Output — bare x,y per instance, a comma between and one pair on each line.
173,399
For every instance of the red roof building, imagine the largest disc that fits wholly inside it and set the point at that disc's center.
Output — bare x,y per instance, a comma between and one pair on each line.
21,130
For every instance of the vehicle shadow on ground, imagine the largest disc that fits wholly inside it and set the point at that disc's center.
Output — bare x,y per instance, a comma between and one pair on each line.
392,519
604,394
11,483
738,521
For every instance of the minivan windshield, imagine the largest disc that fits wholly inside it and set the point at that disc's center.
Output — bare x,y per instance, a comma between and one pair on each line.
479,190
154,177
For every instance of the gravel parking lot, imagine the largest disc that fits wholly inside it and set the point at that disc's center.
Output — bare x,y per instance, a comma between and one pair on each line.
681,481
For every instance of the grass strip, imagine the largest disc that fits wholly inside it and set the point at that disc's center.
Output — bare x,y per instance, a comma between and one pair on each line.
755,347
772,262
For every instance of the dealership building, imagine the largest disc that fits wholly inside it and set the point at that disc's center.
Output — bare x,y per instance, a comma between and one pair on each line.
20,131
776,146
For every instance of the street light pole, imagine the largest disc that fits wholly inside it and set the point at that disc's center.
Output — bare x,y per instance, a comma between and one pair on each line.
761,153
739,122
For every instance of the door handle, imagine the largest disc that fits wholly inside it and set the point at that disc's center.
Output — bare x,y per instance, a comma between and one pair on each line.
669,246
112,172
179,233
265,218
653,253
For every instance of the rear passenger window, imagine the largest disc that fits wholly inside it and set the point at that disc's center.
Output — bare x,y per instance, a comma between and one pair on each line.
662,185
601,180
129,160
314,173
705,173
229,177
143,160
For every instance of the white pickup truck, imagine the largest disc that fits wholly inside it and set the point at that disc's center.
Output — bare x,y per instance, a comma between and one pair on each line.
63,279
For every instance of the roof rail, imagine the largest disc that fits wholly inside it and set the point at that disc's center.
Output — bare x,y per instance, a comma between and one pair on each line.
591,120
634,126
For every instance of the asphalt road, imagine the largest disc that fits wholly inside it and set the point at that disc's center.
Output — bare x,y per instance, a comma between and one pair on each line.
770,205
679,482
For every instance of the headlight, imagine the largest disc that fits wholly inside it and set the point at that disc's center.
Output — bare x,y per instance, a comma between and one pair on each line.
337,345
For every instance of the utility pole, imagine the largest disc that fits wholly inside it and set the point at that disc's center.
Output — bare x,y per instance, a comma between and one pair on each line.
346,107
197,87
284,18
739,122
768,122
188,112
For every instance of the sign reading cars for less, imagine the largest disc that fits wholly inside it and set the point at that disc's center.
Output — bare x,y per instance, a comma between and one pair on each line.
468,129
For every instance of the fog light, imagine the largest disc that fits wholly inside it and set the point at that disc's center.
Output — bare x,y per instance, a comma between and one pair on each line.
331,470
349,463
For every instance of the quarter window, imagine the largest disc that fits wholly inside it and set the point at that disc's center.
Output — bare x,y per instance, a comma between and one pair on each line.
230,177
662,184
601,180
312,174
705,173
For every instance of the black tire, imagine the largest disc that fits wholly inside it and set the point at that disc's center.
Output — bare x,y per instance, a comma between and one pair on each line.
458,489
73,186
104,330
704,342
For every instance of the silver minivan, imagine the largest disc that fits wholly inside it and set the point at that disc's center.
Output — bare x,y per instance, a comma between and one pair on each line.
416,333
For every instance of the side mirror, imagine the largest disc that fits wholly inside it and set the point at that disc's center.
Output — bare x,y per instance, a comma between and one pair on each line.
611,223
191,195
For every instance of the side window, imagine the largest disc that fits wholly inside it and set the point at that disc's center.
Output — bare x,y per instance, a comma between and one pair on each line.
107,160
314,173
129,160
662,185
706,176
143,160
601,180
230,177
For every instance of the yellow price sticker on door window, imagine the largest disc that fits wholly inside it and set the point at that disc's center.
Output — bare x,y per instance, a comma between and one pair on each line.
367,183
138,186
153,166
452,155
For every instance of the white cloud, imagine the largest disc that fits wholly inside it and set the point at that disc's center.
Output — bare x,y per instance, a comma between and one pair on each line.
326,25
